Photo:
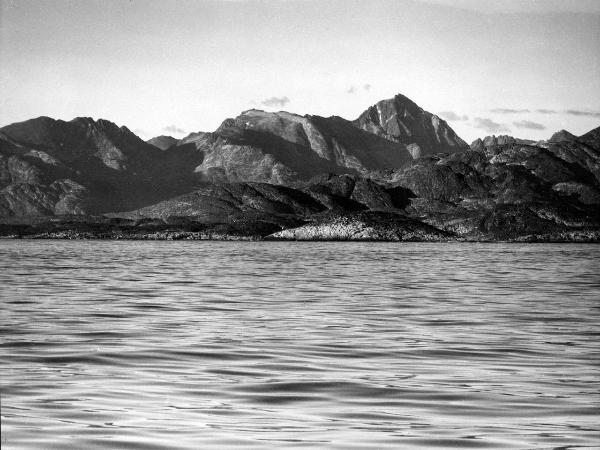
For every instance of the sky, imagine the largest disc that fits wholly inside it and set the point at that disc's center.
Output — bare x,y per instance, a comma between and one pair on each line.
522,67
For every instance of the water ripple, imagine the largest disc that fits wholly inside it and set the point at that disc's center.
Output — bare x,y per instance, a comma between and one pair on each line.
191,345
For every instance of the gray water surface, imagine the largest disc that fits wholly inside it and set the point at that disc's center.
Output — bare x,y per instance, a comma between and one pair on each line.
299,345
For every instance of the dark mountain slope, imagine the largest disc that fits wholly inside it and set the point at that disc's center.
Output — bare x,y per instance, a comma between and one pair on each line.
505,190
84,166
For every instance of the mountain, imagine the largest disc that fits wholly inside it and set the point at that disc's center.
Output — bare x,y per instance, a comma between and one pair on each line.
501,189
162,142
279,175
282,148
489,141
401,120
591,138
562,136
53,167
84,166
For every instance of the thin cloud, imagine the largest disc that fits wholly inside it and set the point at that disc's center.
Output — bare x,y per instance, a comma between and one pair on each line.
529,125
452,116
508,111
173,129
276,101
489,125
546,111
354,89
575,112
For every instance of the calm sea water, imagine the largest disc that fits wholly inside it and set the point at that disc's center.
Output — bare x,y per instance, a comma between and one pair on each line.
192,345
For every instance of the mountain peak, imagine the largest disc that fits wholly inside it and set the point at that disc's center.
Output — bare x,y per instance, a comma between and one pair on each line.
562,136
402,101
399,119
163,142
591,138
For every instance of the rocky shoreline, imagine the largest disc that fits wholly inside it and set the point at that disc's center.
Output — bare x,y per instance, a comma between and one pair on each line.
570,238
360,228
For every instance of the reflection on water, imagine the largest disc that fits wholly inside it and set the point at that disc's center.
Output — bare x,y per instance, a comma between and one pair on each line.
298,345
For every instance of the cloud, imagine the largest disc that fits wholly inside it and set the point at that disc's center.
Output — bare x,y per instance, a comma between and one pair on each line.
276,101
546,111
529,124
354,89
451,115
173,129
508,111
575,112
489,125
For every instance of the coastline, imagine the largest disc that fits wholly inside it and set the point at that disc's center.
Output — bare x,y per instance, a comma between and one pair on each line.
575,237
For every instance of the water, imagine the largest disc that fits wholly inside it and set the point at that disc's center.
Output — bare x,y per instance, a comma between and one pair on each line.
193,345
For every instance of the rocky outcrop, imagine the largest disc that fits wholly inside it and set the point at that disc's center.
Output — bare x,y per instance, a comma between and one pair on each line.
368,226
494,141
401,120
228,202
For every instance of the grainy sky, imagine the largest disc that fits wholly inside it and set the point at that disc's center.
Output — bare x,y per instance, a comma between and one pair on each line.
521,67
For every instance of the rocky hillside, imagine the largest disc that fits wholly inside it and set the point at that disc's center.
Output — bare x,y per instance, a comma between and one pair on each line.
505,189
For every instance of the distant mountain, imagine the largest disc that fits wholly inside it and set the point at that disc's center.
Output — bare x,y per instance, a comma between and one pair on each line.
591,138
82,166
162,142
562,136
493,141
399,119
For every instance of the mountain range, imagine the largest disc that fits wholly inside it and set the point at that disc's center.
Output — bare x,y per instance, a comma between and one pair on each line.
397,172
